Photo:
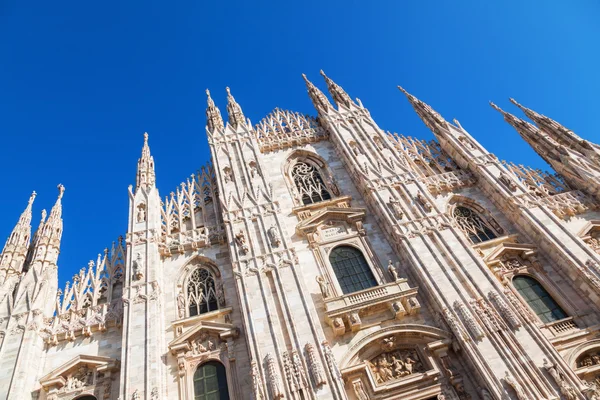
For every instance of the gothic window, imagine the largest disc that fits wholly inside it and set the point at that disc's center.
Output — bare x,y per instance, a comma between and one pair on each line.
201,292
473,225
538,299
210,382
351,269
309,183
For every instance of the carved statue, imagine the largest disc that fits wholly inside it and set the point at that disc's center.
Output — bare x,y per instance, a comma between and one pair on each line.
396,208
392,271
359,390
323,286
141,213
509,183
240,239
227,174
181,304
136,395
395,364
316,369
274,236
485,395
138,267
423,202
516,386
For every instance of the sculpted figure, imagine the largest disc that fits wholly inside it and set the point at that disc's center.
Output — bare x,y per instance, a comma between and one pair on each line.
323,286
392,271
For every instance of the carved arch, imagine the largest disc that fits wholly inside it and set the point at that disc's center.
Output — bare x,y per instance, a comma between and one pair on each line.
315,172
187,292
580,352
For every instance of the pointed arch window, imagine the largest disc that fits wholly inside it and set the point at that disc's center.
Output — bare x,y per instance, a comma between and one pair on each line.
201,292
473,225
538,299
309,183
210,382
351,269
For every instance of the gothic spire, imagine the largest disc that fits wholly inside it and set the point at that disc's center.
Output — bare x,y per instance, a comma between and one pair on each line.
18,242
337,93
234,111
145,171
214,120
557,131
543,145
316,96
54,225
430,117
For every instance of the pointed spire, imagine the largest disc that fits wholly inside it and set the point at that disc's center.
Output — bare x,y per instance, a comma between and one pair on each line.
16,246
53,226
317,97
431,117
214,120
145,171
337,93
234,111
557,131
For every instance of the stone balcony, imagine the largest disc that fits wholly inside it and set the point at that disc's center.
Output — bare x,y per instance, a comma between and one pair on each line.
344,313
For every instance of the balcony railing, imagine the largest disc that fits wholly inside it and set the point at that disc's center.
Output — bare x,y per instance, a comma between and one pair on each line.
344,312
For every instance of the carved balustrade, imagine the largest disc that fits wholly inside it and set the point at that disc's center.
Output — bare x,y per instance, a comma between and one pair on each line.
560,328
344,313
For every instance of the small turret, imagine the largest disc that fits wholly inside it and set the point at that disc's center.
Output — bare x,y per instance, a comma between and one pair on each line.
146,176
338,94
234,112
214,120
15,250
317,97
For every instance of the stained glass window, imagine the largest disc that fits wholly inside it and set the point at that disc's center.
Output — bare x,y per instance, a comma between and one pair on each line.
538,299
201,293
309,183
473,225
351,269
210,382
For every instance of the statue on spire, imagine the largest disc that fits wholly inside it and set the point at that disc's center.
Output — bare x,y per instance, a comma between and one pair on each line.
145,172
337,93
234,111
214,120
318,98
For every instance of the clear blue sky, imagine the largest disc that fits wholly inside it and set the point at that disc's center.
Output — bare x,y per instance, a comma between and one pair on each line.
81,81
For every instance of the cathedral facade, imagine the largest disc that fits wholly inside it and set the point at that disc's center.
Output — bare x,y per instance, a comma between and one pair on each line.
324,258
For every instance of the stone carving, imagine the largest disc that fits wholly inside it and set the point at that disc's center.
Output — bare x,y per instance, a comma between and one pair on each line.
181,303
253,169
314,364
274,236
566,389
274,381
240,239
593,390
135,395
396,208
454,325
395,364
485,394
154,393
294,371
323,286
589,359
486,314
227,174
141,213
257,384
504,309
468,319
138,267
423,202
392,271
506,181
330,359
516,387
82,377
359,390
525,313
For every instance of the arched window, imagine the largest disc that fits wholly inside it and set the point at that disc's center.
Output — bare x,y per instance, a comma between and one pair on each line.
351,269
86,397
201,292
473,225
309,183
538,299
210,382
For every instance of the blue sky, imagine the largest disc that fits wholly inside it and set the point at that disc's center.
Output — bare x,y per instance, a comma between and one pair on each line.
81,81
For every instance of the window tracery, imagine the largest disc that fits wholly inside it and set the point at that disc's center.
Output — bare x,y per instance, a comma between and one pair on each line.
473,225
538,299
309,183
201,292
351,269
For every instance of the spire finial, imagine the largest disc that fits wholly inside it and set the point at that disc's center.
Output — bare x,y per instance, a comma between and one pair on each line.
234,111
15,250
337,93
317,97
145,170
213,115
424,110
